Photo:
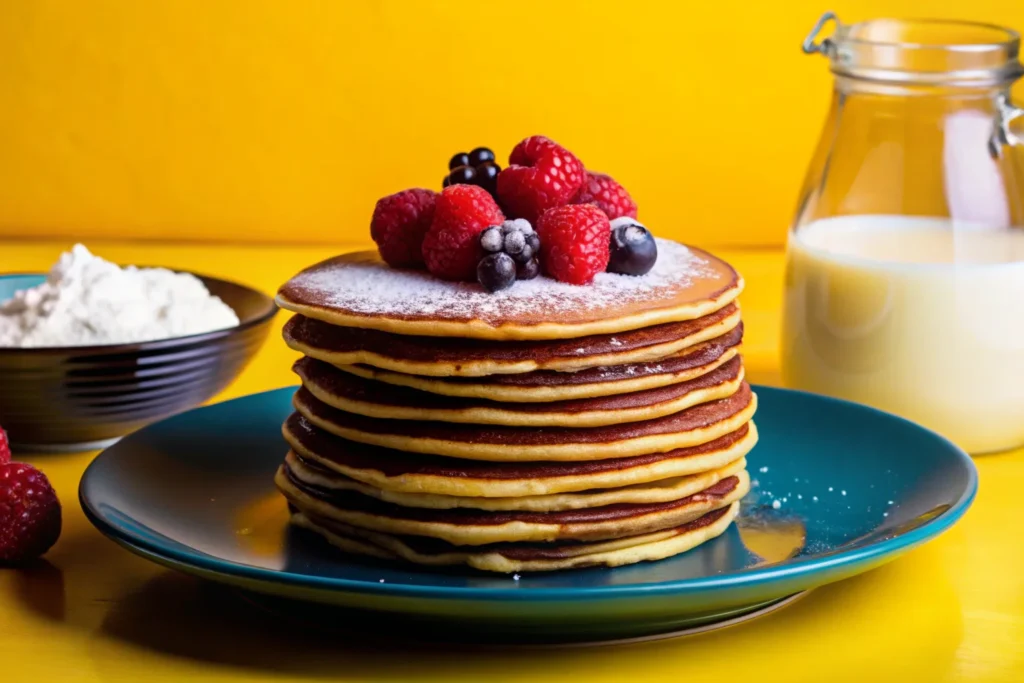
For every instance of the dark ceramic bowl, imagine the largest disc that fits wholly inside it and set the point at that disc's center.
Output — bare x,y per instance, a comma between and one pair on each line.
79,398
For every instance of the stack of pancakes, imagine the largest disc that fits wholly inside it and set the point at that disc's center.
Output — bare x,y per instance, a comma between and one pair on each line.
544,427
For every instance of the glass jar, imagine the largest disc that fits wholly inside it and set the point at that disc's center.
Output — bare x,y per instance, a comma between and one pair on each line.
905,261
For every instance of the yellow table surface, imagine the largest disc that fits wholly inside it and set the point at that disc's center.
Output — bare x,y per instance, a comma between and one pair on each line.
952,610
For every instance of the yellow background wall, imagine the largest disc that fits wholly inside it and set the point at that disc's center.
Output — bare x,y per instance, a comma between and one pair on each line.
284,120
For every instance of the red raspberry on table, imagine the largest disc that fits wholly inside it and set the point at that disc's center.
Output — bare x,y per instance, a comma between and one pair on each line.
574,242
5,448
603,192
451,248
30,515
541,175
399,224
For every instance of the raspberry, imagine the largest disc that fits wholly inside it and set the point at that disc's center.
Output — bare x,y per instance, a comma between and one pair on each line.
541,175
603,192
29,513
5,448
400,221
451,248
574,242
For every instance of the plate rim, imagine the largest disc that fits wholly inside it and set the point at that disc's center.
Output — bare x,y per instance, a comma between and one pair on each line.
885,548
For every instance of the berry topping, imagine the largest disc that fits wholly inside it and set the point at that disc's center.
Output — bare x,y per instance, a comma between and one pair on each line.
480,155
603,192
399,224
487,176
633,250
574,242
475,168
451,248
517,224
30,516
496,272
541,175
460,159
5,448
528,270
491,239
462,175
515,242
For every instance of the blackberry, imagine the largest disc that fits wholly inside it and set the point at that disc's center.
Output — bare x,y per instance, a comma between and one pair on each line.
528,270
511,247
460,159
496,272
515,242
480,155
525,255
487,176
633,250
476,168
462,175
491,239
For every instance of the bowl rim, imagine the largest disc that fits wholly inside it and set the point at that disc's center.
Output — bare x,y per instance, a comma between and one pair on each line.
155,344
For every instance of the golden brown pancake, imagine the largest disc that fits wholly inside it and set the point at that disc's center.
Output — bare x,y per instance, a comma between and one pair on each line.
398,471
374,399
690,427
455,357
524,557
310,472
463,526
359,290
552,385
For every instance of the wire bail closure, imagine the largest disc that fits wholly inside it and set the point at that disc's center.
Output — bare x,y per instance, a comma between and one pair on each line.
1002,136
827,45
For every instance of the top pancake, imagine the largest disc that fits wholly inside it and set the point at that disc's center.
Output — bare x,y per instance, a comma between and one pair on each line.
359,290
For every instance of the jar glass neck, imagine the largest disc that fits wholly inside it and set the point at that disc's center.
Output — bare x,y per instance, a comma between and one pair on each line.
922,52
849,85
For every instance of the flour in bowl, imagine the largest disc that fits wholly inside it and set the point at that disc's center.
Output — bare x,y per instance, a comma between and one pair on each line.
88,301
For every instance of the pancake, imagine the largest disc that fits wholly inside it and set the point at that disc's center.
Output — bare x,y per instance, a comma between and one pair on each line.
309,472
374,399
525,557
552,385
359,290
462,526
457,357
396,471
690,427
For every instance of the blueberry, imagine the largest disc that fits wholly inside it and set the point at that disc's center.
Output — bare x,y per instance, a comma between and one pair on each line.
460,159
463,175
496,272
446,182
480,155
633,250
523,256
491,239
533,241
528,270
514,243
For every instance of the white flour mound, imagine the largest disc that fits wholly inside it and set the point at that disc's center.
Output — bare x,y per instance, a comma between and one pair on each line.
88,301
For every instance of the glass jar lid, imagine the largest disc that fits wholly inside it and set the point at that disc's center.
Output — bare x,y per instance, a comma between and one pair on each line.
920,51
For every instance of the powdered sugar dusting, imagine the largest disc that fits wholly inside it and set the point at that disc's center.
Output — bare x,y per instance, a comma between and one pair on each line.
372,288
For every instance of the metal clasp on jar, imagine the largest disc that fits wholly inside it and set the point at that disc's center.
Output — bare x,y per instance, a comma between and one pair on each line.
827,45
1002,136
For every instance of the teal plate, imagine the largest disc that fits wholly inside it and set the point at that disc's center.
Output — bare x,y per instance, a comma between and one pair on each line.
839,489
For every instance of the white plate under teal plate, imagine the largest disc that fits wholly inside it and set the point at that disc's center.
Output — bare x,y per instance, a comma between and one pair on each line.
839,489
